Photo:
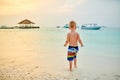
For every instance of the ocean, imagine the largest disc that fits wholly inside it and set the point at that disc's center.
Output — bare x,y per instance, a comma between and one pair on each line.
44,48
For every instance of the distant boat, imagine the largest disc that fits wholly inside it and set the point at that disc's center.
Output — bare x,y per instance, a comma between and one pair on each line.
90,27
57,26
66,26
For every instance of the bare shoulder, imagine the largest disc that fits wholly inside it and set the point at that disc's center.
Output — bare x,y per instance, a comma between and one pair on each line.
76,33
68,34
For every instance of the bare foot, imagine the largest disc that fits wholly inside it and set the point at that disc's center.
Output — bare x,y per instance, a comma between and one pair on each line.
70,70
75,66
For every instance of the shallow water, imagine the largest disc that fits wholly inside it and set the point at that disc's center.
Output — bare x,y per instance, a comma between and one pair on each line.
44,48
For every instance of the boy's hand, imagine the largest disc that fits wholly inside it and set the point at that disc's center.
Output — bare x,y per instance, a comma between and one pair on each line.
65,44
81,45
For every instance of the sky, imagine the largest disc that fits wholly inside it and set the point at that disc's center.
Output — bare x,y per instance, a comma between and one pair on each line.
50,13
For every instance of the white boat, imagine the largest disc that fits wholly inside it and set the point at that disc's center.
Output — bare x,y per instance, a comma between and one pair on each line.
66,26
90,27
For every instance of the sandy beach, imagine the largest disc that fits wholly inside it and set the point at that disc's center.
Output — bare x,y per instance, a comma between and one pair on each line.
28,55
35,72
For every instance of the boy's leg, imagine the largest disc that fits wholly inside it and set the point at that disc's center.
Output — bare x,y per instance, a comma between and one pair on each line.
70,64
75,61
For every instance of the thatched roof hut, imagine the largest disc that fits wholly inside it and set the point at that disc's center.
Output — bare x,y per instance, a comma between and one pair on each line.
26,21
27,24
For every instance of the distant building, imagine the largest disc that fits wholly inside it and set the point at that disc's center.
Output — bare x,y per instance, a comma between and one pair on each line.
27,24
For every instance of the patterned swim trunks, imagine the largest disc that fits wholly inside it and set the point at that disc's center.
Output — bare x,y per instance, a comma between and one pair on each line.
72,51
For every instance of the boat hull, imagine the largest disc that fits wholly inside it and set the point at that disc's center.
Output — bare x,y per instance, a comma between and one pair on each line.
91,28
66,26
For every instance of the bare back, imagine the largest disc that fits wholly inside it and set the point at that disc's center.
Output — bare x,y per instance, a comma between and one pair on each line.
72,38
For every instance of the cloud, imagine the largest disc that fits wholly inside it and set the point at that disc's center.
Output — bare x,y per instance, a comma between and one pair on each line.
52,12
69,6
13,7
9,7
65,9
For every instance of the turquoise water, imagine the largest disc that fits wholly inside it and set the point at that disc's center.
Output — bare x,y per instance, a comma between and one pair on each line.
105,41
101,47
101,51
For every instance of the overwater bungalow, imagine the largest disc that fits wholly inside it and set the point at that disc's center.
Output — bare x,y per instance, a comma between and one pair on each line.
27,24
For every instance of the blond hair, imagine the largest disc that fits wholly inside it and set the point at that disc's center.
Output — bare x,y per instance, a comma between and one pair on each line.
72,24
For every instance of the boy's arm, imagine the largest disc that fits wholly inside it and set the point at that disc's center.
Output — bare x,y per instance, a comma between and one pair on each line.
67,40
80,41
